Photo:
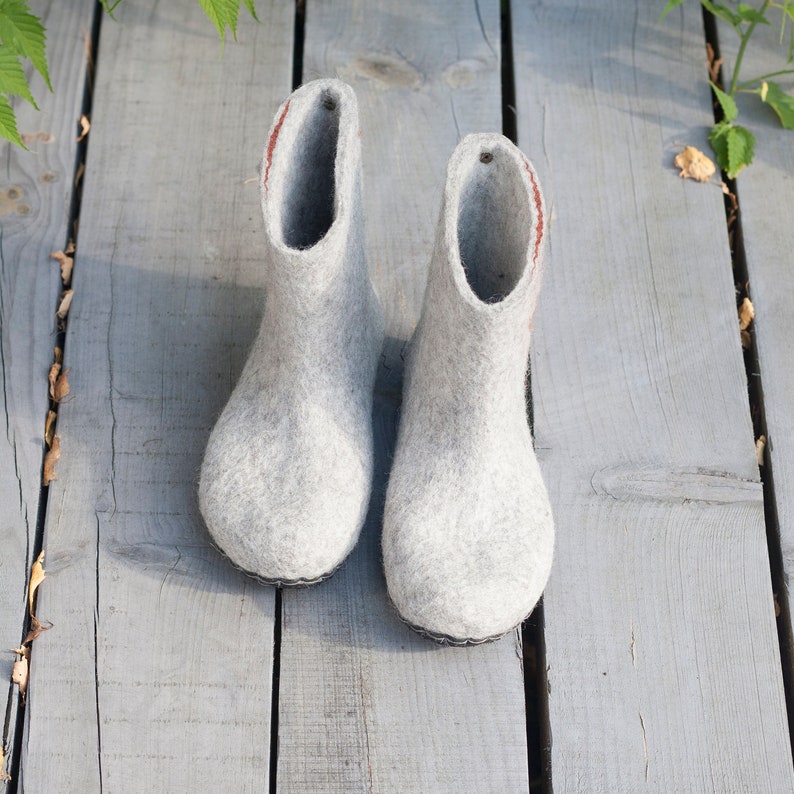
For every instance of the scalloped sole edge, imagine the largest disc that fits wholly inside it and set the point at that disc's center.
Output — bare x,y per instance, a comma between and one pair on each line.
449,640
280,583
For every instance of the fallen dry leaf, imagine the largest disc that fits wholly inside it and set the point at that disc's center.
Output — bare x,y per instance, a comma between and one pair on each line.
694,165
760,446
52,377
3,774
69,248
19,675
713,63
746,340
66,302
36,628
61,388
746,314
37,576
85,126
49,427
50,459
66,263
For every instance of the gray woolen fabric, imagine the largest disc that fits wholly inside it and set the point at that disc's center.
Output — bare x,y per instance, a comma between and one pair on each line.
286,476
468,533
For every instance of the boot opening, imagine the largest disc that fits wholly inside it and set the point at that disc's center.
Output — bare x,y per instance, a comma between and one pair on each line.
494,226
308,210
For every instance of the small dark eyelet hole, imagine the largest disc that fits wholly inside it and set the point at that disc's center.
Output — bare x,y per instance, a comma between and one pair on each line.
329,103
486,157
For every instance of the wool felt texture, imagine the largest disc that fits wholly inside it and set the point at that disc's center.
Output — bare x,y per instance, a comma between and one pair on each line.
287,472
468,532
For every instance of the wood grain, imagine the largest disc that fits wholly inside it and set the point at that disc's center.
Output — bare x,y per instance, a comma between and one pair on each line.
366,705
157,672
663,664
35,196
765,191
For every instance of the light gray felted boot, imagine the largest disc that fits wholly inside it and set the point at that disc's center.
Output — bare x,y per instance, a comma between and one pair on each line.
468,534
287,473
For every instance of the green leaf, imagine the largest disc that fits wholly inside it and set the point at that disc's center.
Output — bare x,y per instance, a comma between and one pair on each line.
25,33
779,101
727,103
733,145
671,4
12,77
223,14
724,13
750,14
249,4
110,5
8,123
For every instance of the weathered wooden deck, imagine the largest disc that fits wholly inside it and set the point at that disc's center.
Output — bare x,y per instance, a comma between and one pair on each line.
655,664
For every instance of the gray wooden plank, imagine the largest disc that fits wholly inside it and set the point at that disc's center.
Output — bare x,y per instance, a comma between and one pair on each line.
663,664
157,672
35,196
766,193
364,704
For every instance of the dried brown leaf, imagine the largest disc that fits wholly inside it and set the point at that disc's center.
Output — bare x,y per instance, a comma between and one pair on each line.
746,314
85,126
52,377
66,263
36,628
50,459
66,302
694,165
3,774
746,340
713,63
760,446
49,427
19,675
61,388
37,576
23,650
69,248
58,353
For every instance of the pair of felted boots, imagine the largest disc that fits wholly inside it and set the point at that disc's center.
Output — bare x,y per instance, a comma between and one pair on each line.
286,478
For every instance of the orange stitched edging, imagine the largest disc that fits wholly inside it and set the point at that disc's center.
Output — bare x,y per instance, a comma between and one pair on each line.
538,210
271,144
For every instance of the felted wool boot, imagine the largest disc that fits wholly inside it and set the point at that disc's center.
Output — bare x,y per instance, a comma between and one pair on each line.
468,534
286,477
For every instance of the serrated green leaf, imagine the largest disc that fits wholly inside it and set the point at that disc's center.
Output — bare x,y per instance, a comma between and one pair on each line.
222,14
8,123
727,103
671,4
780,102
250,5
750,14
734,146
724,13
24,31
12,76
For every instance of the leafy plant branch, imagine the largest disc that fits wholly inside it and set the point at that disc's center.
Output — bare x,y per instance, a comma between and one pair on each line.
733,144
23,38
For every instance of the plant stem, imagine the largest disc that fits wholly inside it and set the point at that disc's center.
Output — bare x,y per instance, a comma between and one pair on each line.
761,78
742,47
